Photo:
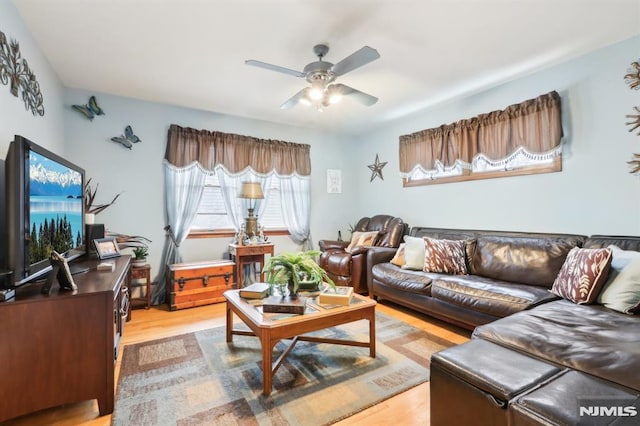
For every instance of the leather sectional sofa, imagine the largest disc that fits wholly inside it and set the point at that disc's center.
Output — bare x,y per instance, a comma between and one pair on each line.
508,272
534,358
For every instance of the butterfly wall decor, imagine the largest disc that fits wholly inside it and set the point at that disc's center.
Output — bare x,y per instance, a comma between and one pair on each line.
128,139
90,109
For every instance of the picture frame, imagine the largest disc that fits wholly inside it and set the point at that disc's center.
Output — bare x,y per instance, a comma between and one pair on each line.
334,181
106,247
61,272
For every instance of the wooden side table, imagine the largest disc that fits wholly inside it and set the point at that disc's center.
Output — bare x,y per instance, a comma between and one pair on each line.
246,255
144,272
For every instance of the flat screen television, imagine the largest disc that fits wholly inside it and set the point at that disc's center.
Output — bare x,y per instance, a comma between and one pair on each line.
44,209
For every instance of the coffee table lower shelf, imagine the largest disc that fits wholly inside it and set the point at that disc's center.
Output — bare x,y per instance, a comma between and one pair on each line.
270,331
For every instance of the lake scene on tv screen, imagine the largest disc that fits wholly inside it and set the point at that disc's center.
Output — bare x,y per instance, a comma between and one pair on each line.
55,213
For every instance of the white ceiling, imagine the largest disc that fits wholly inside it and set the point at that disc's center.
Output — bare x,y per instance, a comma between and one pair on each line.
191,53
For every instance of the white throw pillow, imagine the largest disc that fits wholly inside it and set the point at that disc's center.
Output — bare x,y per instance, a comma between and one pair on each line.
413,253
622,258
621,292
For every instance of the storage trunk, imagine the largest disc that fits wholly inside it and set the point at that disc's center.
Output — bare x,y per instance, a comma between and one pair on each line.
198,283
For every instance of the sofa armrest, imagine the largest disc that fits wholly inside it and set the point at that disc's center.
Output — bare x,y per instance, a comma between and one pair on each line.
377,255
332,245
360,250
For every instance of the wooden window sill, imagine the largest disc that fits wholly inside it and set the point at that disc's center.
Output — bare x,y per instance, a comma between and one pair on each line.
229,233
556,166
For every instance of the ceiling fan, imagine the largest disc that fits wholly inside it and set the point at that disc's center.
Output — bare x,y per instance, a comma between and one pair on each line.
321,74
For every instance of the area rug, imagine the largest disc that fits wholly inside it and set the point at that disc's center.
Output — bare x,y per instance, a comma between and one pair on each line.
197,378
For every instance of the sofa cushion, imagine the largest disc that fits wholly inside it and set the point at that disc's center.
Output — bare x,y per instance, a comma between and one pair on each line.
559,402
398,258
445,256
622,293
500,372
526,260
413,253
402,279
621,258
625,243
486,295
362,239
583,274
588,338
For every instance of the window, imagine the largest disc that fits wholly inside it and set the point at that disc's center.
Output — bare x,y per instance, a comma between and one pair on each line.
212,213
522,139
191,155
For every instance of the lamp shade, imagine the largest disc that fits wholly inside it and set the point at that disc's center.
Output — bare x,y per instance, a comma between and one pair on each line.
251,190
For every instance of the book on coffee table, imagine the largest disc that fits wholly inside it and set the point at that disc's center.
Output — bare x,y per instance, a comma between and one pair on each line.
284,305
341,295
255,291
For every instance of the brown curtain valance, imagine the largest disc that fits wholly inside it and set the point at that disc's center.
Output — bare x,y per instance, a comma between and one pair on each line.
236,152
534,125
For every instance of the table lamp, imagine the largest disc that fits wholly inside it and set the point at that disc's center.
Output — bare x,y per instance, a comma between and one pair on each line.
251,191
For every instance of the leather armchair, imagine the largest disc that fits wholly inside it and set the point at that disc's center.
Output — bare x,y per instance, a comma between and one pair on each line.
350,268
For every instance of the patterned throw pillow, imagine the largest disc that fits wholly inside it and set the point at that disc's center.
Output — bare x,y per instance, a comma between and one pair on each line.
361,239
444,256
582,275
398,259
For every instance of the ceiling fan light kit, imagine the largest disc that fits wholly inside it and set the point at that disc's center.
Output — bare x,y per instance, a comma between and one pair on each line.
321,75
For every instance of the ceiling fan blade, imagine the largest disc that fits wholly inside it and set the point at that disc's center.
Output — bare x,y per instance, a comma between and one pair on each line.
363,98
355,60
294,100
272,67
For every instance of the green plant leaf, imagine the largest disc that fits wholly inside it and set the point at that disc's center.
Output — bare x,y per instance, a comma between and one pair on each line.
290,266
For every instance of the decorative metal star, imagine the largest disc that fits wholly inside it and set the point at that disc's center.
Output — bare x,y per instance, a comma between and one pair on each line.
376,169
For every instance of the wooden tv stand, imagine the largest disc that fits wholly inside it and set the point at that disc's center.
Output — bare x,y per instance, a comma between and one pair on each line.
62,348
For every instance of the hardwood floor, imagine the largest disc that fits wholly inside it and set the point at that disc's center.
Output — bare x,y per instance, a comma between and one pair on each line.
411,406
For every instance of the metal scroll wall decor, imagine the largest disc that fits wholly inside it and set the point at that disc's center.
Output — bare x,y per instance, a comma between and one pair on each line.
15,71
632,78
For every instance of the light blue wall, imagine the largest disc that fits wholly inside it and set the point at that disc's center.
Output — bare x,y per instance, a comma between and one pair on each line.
593,194
45,130
15,119
138,173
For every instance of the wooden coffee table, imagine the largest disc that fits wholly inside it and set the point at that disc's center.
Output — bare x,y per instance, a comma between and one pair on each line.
271,328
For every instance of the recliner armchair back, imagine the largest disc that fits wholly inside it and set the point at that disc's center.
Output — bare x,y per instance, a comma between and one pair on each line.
349,267
390,229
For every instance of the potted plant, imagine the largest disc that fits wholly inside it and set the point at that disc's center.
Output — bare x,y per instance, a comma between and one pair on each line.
289,270
90,208
140,255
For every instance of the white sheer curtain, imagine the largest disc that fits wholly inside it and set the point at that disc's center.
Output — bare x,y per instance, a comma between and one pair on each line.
230,184
295,196
234,159
295,199
183,191
237,208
